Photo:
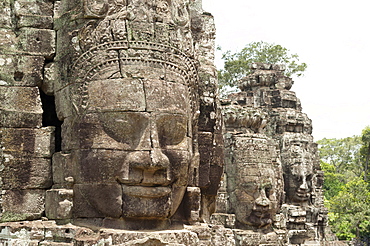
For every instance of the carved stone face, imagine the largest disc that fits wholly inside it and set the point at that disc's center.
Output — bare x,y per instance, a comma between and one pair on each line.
256,199
128,122
254,181
299,183
132,149
298,166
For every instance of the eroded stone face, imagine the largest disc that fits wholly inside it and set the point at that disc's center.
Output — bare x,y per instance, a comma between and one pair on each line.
134,158
256,199
128,108
255,195
298,166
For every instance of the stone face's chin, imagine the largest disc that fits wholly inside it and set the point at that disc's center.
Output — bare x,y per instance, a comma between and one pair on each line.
260,222
260,218
256,219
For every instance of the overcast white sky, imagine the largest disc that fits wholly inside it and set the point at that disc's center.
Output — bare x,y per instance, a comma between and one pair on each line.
332,37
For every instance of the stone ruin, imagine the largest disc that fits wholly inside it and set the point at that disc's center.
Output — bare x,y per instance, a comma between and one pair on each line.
271,192
111,133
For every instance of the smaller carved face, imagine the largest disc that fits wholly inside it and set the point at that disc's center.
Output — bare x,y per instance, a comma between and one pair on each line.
298,171
162,7
256,199
298,183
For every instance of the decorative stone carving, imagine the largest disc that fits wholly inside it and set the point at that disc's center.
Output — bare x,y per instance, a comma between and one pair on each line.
298,166
267,107
141,145
258,181
130,105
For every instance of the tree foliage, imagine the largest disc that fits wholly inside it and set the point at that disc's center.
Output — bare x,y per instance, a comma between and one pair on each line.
343,154
350,210
365,150
345,164
237,65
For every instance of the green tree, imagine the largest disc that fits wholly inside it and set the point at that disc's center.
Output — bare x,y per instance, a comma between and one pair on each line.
237,65
365,150
343,154
349,214
345,164
333,182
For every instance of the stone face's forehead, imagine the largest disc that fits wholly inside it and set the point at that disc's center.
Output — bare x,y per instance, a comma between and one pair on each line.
135,95
166,97
301,169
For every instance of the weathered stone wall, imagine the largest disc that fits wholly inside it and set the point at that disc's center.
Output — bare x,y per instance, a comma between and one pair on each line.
27,44
107,61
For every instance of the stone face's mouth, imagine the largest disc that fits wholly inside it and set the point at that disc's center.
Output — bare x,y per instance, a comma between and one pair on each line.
145,191
302,195
261,213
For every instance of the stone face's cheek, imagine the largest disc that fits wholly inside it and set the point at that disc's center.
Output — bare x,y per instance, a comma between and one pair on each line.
179,167
244,205
97,166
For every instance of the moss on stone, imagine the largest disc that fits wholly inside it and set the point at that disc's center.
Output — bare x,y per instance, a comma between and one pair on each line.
10,216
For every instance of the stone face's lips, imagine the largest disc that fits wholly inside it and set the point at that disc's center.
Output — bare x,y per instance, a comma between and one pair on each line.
142,191
302,195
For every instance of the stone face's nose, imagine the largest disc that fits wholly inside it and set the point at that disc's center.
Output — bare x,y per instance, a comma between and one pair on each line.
304,186
146,167
262,199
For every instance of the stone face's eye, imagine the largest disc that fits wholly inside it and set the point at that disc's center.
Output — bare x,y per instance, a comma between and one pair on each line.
172,129
124,127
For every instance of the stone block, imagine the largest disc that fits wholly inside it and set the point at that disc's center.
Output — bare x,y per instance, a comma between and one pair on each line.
50,78
20,205
5,14
206,122
20,107
38,42
63,103
28,41
116,95
8,41
21,70
171,98
140,31
205,151
97,200
62,170
25,172
214,176
59,203
33,13
192,201
28,141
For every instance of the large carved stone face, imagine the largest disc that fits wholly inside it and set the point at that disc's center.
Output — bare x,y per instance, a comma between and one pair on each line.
130,88
132,148
298,166
256,199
